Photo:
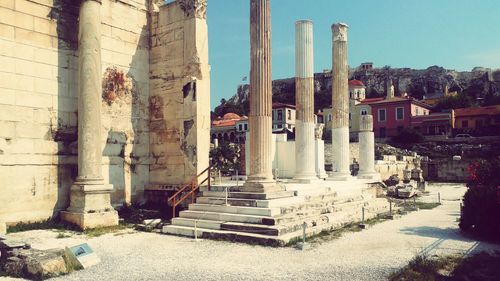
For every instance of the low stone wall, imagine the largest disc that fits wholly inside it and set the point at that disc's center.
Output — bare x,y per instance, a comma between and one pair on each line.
446,170
391,166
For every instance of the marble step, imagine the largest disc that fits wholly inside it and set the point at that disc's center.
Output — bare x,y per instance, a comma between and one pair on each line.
267,212
208,224
246,195
322,206
239,227
249,202
246,233
233,236
227,217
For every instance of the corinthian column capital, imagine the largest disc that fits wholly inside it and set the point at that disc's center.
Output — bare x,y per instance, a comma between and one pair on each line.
196,8
340,32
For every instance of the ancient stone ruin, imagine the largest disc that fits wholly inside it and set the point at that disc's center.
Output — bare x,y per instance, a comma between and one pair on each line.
110,100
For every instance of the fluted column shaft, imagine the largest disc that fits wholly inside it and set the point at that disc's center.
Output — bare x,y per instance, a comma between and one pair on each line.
304,96
340,101
90,199
260,119
366,145
89,99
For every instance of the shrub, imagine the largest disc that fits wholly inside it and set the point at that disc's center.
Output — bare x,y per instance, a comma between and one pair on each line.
481,210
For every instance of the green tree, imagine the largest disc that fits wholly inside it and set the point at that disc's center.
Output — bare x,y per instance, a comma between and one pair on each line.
462,100
226,157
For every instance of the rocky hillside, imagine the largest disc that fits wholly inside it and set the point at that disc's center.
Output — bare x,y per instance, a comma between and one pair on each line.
478,83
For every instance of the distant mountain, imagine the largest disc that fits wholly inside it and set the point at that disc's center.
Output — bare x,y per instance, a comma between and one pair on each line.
480,83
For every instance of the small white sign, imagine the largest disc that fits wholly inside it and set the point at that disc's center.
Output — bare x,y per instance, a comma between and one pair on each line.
82,256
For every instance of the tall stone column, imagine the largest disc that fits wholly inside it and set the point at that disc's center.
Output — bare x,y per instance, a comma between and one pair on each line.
367,149
260,178
304,95
90,202
340,104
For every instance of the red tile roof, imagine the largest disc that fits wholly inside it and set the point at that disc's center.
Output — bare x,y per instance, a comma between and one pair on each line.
372,100
224,123
356,83
476,111
229,119
400,99
231,116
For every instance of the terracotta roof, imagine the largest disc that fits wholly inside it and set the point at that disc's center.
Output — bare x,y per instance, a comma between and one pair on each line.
400,99
224,123
231,116
356,83
475,111
372,100
280,105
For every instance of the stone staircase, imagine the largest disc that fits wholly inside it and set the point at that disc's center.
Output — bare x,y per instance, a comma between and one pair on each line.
272,219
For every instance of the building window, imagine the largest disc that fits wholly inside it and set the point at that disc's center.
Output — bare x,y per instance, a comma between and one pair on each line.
289,126
465,124
289,114
381,116
280,126
329,117
280,114
246,127
350,116
400,111
479,123
363,112
240,127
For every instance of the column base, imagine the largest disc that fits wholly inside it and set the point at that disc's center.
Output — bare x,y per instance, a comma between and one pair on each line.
305,179
369,176
91,220
321,174
90,206
339,176
262,186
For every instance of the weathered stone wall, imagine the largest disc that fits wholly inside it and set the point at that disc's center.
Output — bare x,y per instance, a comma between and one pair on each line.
38,103
392,165
180,92
446,170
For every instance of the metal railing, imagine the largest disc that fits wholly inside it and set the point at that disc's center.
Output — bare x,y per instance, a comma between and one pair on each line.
189,189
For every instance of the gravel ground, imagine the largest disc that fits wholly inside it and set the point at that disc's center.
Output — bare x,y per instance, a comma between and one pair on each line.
368,255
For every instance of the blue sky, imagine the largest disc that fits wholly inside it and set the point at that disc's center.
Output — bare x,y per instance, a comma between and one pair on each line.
456,34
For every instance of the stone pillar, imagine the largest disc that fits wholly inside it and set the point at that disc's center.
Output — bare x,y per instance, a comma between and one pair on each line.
367,149
260,178
90,202
340,104
304,95
320,152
